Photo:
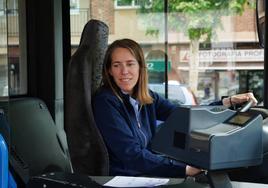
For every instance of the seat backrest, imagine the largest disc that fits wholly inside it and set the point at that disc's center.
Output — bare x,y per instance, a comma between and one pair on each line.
87,149
35,146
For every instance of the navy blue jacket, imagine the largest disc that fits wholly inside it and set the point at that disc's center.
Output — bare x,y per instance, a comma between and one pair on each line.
127,144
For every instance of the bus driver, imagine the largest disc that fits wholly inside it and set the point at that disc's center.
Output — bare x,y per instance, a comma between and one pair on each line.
126,111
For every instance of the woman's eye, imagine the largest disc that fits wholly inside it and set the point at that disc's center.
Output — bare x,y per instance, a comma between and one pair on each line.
131,64
115,65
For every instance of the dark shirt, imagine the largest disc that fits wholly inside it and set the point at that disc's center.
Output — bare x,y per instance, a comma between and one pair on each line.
127,143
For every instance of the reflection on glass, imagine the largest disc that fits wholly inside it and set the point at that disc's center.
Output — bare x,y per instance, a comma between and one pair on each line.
239,119
3,52
16,65
213,50
12,71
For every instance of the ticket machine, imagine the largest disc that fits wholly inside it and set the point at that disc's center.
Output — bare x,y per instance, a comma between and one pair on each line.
211,140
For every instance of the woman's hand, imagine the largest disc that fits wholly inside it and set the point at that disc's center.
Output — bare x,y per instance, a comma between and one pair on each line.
239,99
191,171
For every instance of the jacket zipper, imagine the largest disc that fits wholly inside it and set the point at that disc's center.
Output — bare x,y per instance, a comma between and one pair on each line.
139,127
145,139
137,114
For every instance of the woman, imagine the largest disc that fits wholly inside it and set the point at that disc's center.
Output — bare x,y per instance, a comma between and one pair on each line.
126,112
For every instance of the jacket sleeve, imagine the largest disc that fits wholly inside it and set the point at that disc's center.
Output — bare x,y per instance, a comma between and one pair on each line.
163,107
122,144
215,103
219,102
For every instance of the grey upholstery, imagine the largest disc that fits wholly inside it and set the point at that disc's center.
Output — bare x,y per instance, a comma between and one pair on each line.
264,113
35,147
87,149
265,135
257,173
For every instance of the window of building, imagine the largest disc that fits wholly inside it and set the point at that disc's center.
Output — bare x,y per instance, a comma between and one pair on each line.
2,7
74,4
12,7
3,52
13,63
128,3
74,7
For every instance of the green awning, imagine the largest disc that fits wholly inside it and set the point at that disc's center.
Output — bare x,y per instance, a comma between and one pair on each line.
157,65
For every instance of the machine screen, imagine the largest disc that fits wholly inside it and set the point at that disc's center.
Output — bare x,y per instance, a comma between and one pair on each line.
239,119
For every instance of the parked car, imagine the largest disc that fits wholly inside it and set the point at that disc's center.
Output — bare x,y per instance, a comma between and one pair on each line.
177,93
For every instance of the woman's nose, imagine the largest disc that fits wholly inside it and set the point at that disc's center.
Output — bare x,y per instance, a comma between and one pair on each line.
124,69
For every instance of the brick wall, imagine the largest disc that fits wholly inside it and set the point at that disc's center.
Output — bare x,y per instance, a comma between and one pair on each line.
103,10
247,17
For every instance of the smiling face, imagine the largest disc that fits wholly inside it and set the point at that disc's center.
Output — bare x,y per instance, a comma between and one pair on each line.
124,69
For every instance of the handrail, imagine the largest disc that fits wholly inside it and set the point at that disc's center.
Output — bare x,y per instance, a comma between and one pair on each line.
3,163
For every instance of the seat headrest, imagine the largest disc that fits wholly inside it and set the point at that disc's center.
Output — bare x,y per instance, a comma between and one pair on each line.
90,53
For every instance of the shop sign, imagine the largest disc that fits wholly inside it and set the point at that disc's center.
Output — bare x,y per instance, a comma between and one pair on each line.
226,55
157,65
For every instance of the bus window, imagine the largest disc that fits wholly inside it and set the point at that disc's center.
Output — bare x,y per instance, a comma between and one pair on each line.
13,78
214,50
3,55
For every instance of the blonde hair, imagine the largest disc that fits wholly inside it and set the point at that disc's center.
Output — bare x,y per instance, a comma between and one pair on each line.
140,92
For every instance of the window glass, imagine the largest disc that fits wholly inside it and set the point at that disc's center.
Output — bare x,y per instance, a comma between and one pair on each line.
3,51
13,77
123,3
17,67
74,4
80,14
212,65
208,53
129,3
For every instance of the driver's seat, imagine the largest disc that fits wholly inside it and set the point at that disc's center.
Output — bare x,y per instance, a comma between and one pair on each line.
87,149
